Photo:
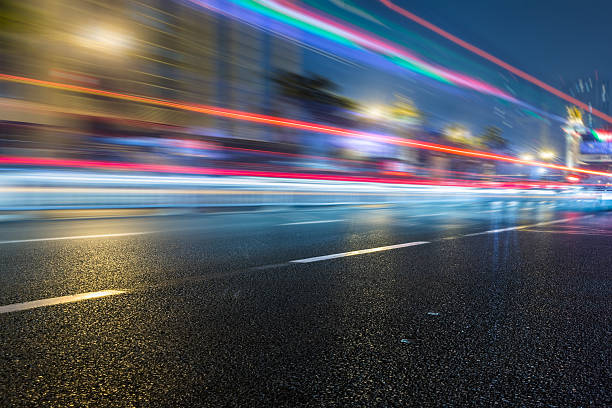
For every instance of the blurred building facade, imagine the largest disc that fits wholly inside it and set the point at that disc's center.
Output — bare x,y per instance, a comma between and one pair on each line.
156,48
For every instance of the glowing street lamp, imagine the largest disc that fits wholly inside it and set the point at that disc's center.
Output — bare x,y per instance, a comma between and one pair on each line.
104,40
527,156
547,154
375,112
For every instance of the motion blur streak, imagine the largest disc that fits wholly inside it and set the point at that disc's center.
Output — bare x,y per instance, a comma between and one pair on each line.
143,167
284,122
495,60
302,18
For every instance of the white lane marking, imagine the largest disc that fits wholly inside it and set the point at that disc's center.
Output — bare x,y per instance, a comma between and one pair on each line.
491,211
16,307
520,227
359,252
408,244
492,231
122,234
310,222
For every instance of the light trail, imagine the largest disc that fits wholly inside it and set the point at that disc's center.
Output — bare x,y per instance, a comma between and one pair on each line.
204,171
495,60
288,123
388,48
177,169
289,13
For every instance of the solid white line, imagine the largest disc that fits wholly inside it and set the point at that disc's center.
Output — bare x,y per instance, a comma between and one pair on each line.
16,307
123,234
310,222
358,252
520,227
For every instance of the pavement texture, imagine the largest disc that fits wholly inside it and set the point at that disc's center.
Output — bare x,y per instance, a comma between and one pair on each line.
503,303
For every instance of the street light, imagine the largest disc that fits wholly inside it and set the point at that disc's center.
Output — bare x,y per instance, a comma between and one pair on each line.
547,155
375,112
104,40
527,156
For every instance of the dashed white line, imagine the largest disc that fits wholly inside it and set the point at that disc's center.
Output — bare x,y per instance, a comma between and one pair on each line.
16,307
408,244
520,227
359,252
311,222
494,231
93,295
122,234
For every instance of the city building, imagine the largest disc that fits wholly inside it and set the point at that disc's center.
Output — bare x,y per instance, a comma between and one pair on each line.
156,48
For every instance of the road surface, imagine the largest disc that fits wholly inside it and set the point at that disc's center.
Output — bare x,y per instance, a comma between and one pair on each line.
503,303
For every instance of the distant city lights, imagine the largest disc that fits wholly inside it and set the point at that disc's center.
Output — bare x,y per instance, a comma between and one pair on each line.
375,112
547,155
103,39
527,156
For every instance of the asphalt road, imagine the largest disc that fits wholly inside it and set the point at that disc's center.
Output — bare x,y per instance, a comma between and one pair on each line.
493,304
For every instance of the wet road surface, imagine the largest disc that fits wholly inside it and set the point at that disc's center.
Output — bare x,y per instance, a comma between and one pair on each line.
503,303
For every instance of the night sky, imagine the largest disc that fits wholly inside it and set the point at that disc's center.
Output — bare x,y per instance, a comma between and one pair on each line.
556,41
547,38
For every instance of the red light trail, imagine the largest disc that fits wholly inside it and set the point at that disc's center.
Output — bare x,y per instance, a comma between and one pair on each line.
494,60
295,124
210,171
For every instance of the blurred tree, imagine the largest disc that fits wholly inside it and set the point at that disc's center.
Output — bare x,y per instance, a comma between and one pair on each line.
315,94
492,138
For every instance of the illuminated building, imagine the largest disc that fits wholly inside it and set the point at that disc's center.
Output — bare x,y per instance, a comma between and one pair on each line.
155,48
246,61
573,129
586,146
